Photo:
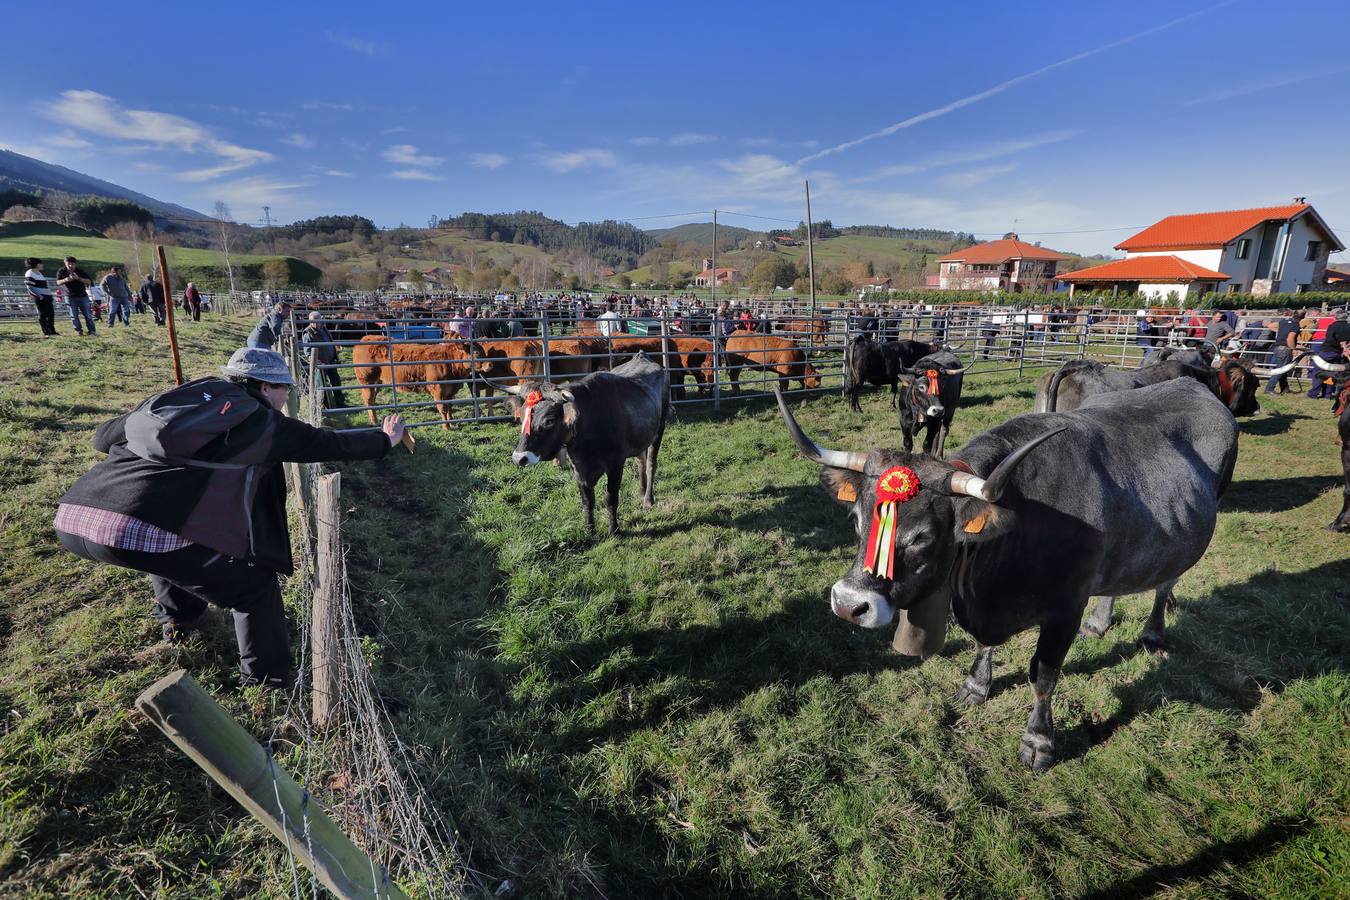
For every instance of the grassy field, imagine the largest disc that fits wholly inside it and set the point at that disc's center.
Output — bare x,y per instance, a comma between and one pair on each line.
676,712
99,253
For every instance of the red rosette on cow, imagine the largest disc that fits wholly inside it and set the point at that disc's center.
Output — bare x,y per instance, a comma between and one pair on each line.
896,485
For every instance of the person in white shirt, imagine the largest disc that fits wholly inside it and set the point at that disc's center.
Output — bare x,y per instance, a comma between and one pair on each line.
36,282
609,322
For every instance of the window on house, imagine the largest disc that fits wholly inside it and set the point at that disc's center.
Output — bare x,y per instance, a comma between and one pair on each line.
1314,249
1300,289
1234,288
1244,247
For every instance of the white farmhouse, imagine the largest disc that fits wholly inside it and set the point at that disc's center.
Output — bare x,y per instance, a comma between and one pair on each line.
1273,249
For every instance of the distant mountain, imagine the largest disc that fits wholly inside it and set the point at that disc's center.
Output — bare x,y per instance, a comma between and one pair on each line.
702,233
19,172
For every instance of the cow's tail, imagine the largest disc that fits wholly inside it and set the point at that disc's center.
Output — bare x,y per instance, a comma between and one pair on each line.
1052,390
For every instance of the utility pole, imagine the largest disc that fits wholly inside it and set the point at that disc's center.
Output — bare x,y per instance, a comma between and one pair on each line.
810,267
714,267
267,221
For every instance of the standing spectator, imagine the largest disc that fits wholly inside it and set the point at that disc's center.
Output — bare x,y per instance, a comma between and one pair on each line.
609,323
152,295
1286,335
192,301
270,327
1146,333
323,352
208,523
1335,349
115,288
36,282
77,285
1218,330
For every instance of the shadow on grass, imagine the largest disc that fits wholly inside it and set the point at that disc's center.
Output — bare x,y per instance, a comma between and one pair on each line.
1269,630
1276,423
1234,853
1266,495
797,512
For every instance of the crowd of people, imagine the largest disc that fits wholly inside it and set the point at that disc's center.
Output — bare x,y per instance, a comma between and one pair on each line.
114,292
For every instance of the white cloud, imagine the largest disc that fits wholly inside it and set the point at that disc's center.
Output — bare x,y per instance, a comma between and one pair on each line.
296,139
358,45
995,150
488,160
255,190
408,155
593,157
337,173
1002,86
644,141
971,177
96,113
689,139
326,105
147,167
415,175
68,140
1268,84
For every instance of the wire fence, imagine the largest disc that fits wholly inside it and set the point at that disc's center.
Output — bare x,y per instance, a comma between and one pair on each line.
448,365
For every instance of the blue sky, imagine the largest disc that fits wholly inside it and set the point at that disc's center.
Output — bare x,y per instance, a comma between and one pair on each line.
1079,117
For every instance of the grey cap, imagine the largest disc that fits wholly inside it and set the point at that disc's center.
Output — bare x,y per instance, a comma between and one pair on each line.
1339,313
261,365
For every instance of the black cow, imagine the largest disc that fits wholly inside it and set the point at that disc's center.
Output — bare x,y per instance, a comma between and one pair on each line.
1122,498
1201,357
932,391
868,361
598,422
1078,379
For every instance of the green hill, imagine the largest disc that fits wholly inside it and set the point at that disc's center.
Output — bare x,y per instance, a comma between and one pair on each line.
51,242
702,233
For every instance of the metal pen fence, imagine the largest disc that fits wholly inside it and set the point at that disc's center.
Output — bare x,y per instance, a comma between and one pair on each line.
462,364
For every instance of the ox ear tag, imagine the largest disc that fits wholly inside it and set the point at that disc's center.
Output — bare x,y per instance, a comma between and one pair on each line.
976,524
847,492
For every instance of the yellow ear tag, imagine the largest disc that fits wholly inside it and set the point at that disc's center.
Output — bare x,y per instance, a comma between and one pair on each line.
847,492
976,525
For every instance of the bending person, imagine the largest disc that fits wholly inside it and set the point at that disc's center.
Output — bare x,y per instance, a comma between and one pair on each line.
192,493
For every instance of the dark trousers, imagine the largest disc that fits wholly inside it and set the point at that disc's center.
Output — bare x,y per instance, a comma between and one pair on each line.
46,315
1278,357
157,309
185,580
333,399
1320,388
196,310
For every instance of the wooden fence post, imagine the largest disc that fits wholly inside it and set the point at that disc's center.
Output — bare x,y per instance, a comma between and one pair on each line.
324,655
212,739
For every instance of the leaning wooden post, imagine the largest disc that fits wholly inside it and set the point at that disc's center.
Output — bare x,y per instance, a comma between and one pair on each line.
168,311
324,655
212,739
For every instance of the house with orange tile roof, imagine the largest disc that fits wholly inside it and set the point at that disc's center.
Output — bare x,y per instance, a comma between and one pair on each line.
1009,264
725,275
1267,250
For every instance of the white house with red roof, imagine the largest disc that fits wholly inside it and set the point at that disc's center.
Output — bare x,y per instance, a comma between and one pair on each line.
1009,264
1271,249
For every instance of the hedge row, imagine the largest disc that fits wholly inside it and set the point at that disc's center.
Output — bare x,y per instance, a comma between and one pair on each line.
1212,300
247,276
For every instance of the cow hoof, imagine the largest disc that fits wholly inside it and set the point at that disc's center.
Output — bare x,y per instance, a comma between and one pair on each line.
1153,642
1092,630
1342,527
972,694
1038,752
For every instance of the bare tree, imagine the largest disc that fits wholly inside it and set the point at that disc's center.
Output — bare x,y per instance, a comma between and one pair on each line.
223,216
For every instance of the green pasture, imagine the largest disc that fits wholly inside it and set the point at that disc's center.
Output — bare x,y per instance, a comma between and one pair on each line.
675,712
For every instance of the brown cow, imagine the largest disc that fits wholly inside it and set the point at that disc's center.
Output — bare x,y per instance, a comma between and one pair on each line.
768,352
690,356
434,364
816,329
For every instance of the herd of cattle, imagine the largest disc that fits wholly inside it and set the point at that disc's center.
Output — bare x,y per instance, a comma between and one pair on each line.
1110,487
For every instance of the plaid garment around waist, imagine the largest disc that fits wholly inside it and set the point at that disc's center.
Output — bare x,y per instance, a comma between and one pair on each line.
115,530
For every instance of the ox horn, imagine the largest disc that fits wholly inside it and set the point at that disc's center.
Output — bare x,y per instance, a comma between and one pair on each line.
958,371
513,389
1288,367
992,488
839,459
1328,366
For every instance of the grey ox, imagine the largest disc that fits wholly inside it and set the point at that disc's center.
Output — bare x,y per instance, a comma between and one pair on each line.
597,423
1123,497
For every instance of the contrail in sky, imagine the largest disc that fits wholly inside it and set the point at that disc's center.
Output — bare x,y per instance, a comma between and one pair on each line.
1003,86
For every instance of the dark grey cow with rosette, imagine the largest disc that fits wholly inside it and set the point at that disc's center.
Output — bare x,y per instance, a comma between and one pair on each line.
1037,515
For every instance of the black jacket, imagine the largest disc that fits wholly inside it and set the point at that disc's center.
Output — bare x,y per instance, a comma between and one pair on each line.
207,506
